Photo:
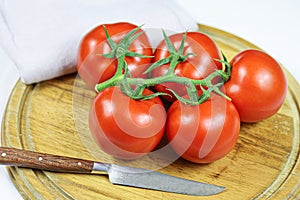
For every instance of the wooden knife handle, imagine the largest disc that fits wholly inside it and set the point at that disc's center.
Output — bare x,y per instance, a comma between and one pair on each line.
49,162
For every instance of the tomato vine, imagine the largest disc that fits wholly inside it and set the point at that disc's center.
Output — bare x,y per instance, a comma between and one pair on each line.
134,87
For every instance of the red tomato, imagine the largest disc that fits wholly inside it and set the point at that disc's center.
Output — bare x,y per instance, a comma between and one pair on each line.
195,67
94,69
203,133
126,128
257,85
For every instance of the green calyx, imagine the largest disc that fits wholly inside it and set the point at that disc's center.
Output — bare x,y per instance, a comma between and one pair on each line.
134,87
121,49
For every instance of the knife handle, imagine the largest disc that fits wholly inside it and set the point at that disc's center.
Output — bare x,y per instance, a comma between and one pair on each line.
49,162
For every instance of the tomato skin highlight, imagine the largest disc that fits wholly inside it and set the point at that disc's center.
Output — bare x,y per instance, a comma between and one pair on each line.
257,85
126,128
94,69
197,66
203,133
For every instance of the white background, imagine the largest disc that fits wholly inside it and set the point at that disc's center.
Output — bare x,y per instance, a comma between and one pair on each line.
273,25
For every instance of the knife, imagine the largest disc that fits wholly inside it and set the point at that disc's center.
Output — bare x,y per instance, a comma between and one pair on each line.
120,175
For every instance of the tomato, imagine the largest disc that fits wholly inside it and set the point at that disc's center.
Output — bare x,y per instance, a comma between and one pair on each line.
197,66
203,133
124,127
94,68
257,85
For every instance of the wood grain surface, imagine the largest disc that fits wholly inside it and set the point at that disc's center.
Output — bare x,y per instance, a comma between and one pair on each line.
51,117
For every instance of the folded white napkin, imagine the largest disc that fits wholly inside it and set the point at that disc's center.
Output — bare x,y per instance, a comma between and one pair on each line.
42,37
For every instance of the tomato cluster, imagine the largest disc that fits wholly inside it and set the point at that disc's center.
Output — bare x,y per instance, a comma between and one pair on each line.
128,119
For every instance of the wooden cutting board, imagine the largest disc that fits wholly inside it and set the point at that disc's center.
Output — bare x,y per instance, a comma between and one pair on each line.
51,117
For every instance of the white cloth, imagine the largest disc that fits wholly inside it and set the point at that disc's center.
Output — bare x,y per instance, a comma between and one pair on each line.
42,37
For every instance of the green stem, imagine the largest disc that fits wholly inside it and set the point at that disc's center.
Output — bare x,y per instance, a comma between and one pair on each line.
117,80
108,83
173,64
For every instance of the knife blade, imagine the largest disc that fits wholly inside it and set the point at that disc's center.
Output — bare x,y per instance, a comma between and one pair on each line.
119,175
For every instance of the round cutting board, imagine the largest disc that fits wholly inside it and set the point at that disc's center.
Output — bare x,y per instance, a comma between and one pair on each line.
51,117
